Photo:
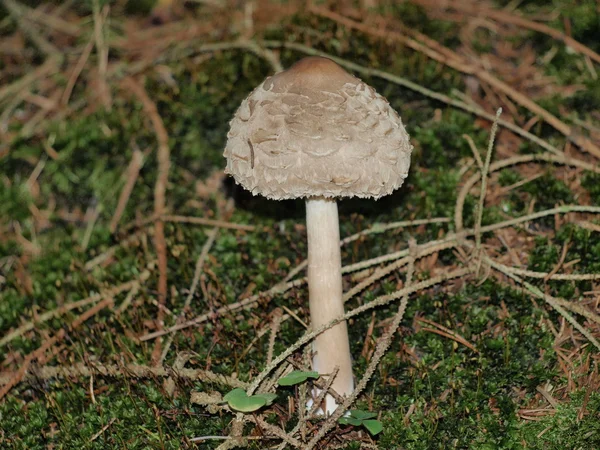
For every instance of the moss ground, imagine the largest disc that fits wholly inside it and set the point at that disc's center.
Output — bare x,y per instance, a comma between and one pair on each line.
529,380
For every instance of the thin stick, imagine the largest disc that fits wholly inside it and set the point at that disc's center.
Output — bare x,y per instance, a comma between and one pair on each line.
474,150
377,228
552,276
51,20
87,51
133,170
16,378
212,235
60,311
50,64
484,175
109,253
548,299
82,370
163,156
521,159
19,13
374,229
101,50
479,10
274,329
207,222
446,332
102,430
277,289
89,229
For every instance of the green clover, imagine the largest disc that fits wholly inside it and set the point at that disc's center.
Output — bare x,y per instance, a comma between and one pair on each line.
240,401
296,377
366,419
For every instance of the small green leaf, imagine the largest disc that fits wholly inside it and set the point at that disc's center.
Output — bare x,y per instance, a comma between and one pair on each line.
239,400
350,421
247,404
362,415
374,426
269,398
296,377
236,393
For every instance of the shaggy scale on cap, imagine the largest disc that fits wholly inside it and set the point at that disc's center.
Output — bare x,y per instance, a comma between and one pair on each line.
315,130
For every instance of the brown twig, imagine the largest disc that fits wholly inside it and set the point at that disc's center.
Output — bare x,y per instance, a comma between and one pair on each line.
60,311
50,20
133,170
208,222
100,16
126,371
212,236
51,64
478,9
16,377
163,156
19,12
81,62
446,332
498,165
274,329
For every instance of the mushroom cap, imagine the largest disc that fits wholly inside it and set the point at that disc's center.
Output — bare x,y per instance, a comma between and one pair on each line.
316,130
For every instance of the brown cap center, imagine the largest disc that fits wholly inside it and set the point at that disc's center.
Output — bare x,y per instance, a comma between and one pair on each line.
313,73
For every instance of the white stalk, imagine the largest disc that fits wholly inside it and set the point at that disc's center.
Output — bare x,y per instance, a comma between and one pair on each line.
330,348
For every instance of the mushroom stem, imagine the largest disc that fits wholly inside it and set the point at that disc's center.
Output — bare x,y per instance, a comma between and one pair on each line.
332,347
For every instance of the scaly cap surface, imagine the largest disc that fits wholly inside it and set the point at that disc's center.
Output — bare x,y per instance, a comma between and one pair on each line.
316,130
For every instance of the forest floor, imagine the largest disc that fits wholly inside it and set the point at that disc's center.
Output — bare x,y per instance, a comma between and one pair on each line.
138,284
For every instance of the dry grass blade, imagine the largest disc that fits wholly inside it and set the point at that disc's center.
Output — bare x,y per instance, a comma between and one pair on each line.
160,188
548,299
479,10
207,222
50,65
446,332
38,354
100,17
212,235
81,62
22,18
498,165
133,170
124,371
484,175
49,315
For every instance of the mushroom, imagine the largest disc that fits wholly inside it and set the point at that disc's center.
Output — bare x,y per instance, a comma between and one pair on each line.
314,131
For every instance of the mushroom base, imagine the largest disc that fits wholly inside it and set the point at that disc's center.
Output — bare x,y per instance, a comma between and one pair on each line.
331,348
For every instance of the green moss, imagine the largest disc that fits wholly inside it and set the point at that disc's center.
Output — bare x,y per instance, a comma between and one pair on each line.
132,415
457,397
591,181
571,426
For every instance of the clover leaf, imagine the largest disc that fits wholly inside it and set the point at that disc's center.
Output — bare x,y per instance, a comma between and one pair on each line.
239,400
296,377
359,418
